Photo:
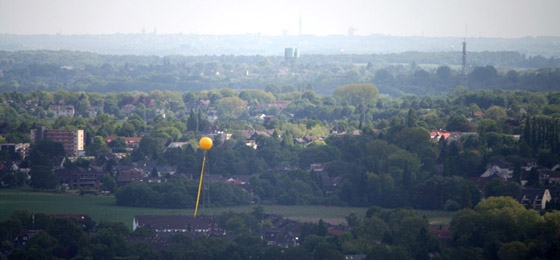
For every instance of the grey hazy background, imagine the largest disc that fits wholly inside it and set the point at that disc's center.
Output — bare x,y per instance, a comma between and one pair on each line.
429,18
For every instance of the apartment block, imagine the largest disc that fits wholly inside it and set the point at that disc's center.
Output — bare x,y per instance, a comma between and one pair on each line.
72,140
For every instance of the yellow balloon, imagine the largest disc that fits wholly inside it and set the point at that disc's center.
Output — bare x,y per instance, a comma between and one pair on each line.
205,143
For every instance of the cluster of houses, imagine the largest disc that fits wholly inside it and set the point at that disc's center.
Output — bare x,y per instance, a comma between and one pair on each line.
278,231
534,198
531,197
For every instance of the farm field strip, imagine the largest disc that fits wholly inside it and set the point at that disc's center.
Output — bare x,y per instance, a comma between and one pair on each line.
103,208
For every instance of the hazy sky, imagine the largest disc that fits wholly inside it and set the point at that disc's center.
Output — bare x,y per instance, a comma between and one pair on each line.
431,18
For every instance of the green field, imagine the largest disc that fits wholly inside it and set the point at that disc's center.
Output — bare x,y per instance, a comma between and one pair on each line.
103,208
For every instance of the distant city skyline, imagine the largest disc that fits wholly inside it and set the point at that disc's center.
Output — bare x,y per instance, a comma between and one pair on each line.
429,18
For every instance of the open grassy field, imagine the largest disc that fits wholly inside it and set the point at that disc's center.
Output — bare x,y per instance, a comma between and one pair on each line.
103,208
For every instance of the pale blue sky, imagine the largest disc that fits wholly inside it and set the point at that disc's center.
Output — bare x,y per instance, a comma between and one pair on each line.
431,18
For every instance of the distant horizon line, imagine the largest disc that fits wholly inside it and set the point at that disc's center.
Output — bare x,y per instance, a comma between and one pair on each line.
278,35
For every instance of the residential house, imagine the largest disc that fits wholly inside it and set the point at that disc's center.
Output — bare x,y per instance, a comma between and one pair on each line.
156,243
480,182
522,112
161,170
307,139
62,110
282,232
329,184
128,109
310,138
337,230
130,175
497,170
284,168
131,142
354,132
435,135
175,145
160,112
21,149
31,105
280,104
443,233
549,177
266,118
534,198
83,219
211,116
251,136
78,217
317,167
93,111
475,114
81,178
23,237
168,225
504,173
240,181
205,102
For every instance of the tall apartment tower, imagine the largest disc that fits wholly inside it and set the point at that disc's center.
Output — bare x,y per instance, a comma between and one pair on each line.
72,140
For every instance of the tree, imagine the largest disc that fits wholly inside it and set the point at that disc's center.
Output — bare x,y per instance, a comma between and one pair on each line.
256,96
42,177
109,183
411,119
192,122
318,154
497,187
231,106
44,241
496,113
361,95
118,145
107,244
97,147
126,129
513,250
44,156
483,76
458,122
68,233
494,222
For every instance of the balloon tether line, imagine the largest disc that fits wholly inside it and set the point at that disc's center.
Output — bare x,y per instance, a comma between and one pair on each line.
200,184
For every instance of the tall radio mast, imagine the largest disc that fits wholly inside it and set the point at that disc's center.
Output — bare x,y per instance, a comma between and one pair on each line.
465,52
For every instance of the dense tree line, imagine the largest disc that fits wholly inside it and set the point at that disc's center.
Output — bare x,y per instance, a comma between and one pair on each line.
497,228
542,133
380,233
501,228
179,192
76,71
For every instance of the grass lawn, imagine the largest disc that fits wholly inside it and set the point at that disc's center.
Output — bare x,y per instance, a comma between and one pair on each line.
103,208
